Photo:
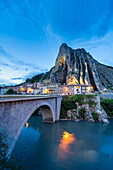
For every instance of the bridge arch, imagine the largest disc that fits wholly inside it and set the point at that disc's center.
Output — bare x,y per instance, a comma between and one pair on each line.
15,113
48,115
47,112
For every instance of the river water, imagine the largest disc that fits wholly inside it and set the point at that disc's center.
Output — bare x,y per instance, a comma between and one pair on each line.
64,145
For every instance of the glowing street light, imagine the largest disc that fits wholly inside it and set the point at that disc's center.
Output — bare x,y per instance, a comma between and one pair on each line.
66,89
22,89
46,90
30,90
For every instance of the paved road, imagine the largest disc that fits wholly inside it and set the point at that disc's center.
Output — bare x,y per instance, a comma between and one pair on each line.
107,96
20,97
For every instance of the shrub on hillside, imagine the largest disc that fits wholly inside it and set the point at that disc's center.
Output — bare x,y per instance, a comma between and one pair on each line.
10,91
82,112
66,105
95,116
69,103
107,104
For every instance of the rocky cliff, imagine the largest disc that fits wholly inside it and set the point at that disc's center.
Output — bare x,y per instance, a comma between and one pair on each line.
83,107
79,67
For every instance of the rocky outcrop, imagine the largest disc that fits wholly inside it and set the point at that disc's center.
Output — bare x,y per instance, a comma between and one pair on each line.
79,67
89,112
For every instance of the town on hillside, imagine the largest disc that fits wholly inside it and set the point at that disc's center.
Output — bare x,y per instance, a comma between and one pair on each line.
47,88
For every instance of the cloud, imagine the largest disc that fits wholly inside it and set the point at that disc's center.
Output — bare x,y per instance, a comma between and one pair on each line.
94,42
18,78
105,24
75,18
7,65
70,20
22,18
15,71
44,70
99,47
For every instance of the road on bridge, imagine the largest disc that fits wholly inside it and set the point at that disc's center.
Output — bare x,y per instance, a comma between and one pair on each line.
24,97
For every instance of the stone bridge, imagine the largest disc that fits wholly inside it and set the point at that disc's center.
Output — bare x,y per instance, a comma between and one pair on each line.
14,113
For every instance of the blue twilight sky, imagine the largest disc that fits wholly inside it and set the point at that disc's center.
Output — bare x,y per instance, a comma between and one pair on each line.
31,32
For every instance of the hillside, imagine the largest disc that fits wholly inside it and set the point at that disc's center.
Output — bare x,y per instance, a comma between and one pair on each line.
77,67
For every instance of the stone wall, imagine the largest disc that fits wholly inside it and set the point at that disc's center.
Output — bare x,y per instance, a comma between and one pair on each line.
14,114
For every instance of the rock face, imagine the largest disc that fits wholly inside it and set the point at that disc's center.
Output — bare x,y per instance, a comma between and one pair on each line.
79,67
88,112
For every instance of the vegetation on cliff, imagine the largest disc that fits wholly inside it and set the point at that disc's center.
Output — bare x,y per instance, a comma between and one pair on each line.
10,91
107,104
83,107
70,102
36,78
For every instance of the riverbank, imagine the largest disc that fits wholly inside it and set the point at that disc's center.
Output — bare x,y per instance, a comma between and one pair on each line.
83,107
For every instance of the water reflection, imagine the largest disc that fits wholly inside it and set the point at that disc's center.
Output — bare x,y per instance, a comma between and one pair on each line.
27,124
82,145
65,142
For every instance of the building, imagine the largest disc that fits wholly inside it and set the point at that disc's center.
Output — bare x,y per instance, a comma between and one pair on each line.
79,89
5,89
58,89
50,88
43,89
53,88
30,90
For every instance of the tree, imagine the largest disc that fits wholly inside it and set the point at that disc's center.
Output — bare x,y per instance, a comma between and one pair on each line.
10,91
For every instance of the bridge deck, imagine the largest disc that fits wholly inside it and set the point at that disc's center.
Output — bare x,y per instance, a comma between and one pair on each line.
12,98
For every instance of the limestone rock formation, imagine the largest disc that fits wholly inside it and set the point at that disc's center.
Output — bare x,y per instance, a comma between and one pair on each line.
89,111
79,67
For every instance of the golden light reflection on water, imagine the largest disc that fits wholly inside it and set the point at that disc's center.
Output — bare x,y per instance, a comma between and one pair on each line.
65,142
27,124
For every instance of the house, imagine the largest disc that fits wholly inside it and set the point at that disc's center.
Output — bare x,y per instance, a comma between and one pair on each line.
5,89
79,89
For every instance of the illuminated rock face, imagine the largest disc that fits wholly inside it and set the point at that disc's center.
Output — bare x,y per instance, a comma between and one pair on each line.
79,67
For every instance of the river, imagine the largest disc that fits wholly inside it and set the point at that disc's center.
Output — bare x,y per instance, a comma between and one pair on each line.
64,145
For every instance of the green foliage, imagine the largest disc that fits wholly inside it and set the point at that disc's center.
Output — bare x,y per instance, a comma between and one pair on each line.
78,98
84,99
58,71
82,112
63,113
69,103
107,104
66,105
95,116
28,80
92,103
34,79
10,91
